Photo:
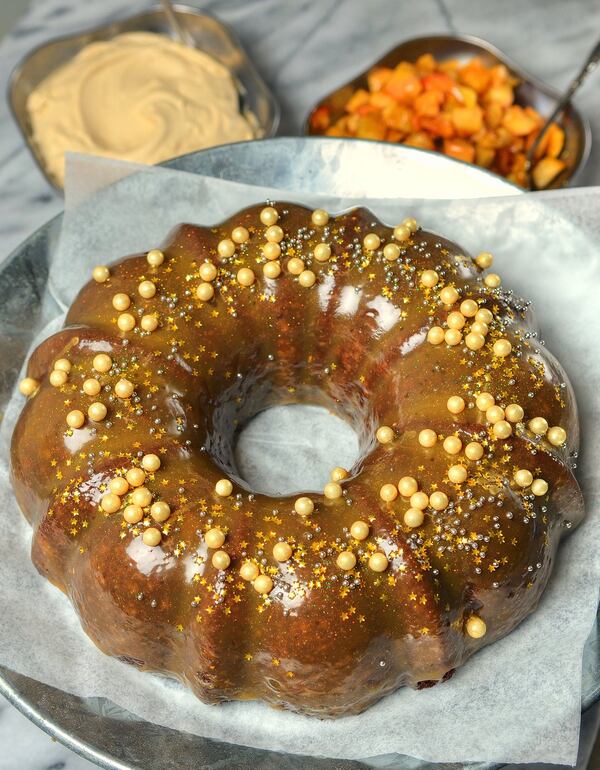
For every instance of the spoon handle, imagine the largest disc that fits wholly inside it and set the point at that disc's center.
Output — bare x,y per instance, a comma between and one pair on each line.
589,66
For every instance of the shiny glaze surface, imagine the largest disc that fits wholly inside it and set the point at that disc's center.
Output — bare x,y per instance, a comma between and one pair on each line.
324,641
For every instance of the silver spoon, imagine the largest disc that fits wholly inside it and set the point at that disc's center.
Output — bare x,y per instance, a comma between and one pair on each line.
590,65
179,30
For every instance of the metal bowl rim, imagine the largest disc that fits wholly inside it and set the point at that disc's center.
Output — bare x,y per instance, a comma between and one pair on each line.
512,65
178,7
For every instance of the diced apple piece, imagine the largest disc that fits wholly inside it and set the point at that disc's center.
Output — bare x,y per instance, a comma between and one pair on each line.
403,87
460,149
428,103
484,156
439,125
546,170
378,77
426,63
467,120
398,117
556,140
382,101
421,140
357,99
518,122
438,81
370,127
493,115
475,75
320,119
502,94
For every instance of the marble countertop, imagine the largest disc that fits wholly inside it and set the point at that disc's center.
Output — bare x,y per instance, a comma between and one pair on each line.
303,48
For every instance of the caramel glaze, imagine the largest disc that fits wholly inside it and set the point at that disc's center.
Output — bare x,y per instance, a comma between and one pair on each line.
323,642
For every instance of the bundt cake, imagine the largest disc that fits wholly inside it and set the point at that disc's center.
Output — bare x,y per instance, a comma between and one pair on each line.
440,540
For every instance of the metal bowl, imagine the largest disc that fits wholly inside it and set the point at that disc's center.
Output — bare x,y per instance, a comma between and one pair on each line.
96,728
209,35
530,91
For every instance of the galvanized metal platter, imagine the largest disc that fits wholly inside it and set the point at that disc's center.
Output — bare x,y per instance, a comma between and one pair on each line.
98,729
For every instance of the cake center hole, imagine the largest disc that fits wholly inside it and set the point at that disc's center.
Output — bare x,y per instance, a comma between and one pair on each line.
293,448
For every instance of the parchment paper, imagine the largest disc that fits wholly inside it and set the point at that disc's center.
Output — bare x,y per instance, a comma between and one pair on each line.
517,700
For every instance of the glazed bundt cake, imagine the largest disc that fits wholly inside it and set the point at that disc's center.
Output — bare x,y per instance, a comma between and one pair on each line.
440,540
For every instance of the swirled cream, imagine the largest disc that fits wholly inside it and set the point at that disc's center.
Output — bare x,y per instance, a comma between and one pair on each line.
139,97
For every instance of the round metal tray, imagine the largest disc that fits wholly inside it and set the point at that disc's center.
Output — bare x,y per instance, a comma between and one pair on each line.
98,729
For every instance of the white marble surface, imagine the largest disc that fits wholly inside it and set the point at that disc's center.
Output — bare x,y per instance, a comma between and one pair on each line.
303,48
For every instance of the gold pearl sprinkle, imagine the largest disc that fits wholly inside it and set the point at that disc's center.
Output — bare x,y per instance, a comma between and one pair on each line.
28,386
338,473
457,474
455,320
205,292
102,363
483,315
221,560
419,500
556,435
272,270
141,496
502,348
484,260
378,562
452,445
438,501
539,487
435,335
538,425
75,419
474,451
155,257
214,538
282,552
240,235
223,487
359,530
322,252
63,365
97,411
401,233
150,463
469,308
455,404
502,429
391,252
110,503
484,401
249,571
160,511
413,517
271,250
245,276
371,241
319,217
492,280
307,278
475,626
100,274
126,322
133,514
263,584
474,341
295,265
269,216
388,493
523,478
149,323
119,486
91,387
151,537
135,477
304,506
332,490
453,337
514,413
208,271
146,289
427,438
448,295
124,389
121,301
494,414
429,278
384,434
58,378
226,248
407,486
346,560
274,234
